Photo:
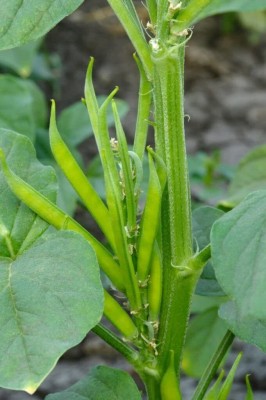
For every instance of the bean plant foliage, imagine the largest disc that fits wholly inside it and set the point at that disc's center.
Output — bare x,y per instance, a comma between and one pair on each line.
48,278
164,261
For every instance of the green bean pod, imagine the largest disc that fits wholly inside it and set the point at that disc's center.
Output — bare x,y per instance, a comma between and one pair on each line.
151,217
249,395
213,393
78,179
169,385
91,100
138,171
144,105
119,317
113,193
114,201
227,385
127,177
155,284
60,220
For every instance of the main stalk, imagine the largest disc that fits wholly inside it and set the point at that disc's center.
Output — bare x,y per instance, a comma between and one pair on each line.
179,279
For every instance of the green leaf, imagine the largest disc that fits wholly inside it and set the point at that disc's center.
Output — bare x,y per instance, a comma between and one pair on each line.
202,221
21,59
23,21
239,257
22,106
67,197
74,124
46,297
249,177
102,383
205,333
17,218
48,280
222,6
204,303
96,176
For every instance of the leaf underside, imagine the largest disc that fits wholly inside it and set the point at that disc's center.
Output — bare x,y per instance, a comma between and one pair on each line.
239,258
222,6
102,383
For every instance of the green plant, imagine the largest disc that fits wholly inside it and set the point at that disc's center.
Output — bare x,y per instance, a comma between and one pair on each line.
49,275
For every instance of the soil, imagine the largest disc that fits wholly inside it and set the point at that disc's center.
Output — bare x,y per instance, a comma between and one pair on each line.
226,103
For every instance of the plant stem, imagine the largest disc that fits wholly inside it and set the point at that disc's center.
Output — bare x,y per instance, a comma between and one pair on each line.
213,366
144,104
125,11
170,142
152,388
179,281
110,338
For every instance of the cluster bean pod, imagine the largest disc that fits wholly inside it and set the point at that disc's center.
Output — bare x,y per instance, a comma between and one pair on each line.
78,179
169,385
151,215
60,220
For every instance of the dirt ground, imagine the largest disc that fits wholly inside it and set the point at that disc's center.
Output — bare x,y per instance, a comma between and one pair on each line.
226,102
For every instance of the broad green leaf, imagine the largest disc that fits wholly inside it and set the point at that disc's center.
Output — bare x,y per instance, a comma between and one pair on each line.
239,257
21,222
249,177
205,332
102,383
67,197
242,323
96,176
23,21
46,299
222,6
47,67
48,279
204,303
74,123
202,221
22,106
20,59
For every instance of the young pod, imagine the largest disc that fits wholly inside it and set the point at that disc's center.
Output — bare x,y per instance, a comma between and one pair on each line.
52,214
169,385
78,179
155,284
114,202
119,317
151,215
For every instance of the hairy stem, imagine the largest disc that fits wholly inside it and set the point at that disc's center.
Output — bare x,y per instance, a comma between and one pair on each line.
110,338
179,278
